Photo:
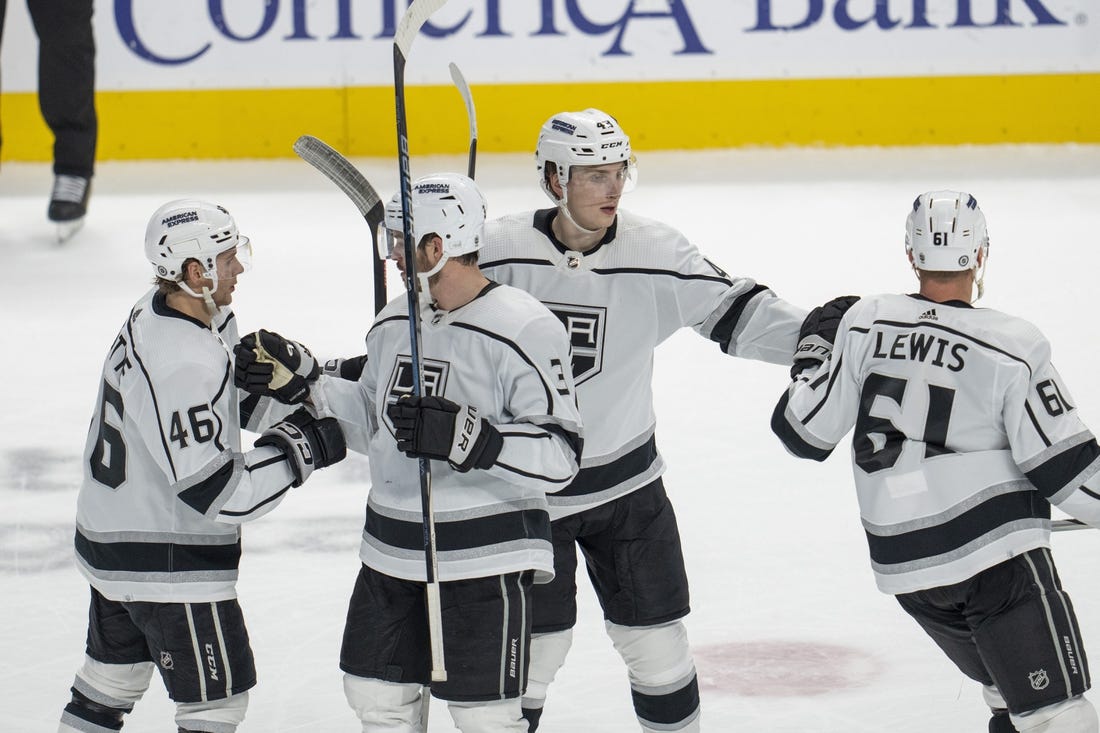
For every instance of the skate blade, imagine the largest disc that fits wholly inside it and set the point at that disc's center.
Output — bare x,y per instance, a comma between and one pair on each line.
66,229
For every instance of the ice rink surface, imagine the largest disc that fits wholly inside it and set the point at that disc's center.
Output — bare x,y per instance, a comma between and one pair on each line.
789,632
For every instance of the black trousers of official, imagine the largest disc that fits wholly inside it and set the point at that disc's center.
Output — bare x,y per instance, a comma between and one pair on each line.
66,80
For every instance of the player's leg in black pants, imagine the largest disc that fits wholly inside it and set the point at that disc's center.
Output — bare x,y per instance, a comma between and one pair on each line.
66,81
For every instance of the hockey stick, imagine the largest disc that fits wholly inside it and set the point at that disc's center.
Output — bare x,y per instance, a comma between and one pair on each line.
471,115
1064,525
355,186
414,18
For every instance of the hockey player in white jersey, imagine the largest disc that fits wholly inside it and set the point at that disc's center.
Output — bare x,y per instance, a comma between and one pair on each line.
499,419
167,486
965,435
621,285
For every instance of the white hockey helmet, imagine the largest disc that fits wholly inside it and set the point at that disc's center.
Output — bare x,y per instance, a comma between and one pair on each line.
449,205
945,231
188,229
589,137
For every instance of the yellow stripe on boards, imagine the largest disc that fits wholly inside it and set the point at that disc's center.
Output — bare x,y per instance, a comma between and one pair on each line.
263,123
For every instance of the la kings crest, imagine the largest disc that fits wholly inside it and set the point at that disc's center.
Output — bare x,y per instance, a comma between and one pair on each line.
586,326
434,382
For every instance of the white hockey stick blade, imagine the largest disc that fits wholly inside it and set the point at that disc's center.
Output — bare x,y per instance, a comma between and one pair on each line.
411,22
1064,525
471,116
67,229
340,171
467,98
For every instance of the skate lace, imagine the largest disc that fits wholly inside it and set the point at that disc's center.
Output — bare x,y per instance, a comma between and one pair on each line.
69,188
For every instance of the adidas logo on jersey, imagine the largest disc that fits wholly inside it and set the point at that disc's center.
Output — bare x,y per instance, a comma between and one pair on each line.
928,315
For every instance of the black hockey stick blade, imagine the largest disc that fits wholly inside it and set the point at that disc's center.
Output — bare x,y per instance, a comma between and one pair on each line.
471,115
356,187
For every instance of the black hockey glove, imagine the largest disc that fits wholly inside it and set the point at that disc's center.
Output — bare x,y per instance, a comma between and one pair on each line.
350,368
818,332
437,428
267,364
308,443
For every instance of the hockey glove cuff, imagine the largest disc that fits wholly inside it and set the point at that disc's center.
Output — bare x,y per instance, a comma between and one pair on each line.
434,427
268,364
308,443
350,368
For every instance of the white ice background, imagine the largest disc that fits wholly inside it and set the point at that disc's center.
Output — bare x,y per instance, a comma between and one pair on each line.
789,632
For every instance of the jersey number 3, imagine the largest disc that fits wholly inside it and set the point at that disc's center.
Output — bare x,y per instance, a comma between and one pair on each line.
872,458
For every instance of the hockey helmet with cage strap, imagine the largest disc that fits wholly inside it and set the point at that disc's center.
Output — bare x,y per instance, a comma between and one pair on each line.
188,229
586,138
449,205
945,231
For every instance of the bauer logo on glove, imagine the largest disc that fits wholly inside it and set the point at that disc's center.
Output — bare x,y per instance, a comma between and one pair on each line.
270,365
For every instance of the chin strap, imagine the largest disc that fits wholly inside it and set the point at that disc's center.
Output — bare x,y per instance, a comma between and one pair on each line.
207,296
563,206
424,292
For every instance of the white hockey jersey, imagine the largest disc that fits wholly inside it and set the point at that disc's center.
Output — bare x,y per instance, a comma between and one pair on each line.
504,354
166,486
964,436
618,301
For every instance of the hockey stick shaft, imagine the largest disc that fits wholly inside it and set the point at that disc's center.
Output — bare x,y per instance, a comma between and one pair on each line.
355,186
471,116
1065,525
407,29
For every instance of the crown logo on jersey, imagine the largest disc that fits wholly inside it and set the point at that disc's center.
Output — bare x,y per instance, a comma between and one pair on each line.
585,326
433,383
928,315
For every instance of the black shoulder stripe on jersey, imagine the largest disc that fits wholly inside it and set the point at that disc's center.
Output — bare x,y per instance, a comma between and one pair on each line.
248,511
1035,424
514,261
727,324
228,320
156,405
960,334
547,388
465,534
595,479
790,437
963,529
670,273
202,495
387,319
1054,474
157,557
536,476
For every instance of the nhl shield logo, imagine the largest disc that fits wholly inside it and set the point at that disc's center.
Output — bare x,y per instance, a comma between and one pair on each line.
1039,680
166,660
401,381
585,326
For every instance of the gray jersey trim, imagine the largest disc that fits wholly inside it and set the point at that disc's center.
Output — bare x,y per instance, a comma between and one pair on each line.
891,530
1050,452
486,510
176,538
